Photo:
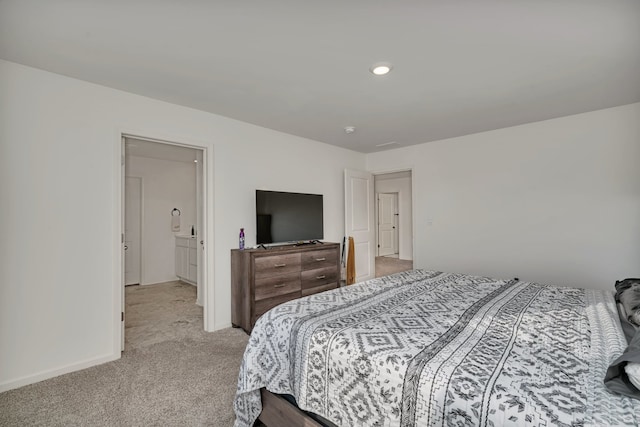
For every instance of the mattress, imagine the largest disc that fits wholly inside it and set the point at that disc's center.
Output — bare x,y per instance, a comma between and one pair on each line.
433,348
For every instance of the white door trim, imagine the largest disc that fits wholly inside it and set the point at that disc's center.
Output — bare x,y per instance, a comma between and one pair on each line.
118,225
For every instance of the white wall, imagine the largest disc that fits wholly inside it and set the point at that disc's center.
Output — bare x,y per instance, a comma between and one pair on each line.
60,225
165,185
556,201
400,183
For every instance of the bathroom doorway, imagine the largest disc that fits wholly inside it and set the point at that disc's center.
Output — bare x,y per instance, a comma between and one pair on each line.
164,210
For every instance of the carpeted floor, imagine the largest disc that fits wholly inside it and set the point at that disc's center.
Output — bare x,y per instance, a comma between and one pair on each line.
387,265
178,375
162,312
171,372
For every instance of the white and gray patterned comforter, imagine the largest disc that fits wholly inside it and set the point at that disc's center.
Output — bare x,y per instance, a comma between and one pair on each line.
429,348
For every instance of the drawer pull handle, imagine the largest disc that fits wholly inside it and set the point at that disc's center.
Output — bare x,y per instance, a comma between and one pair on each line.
280,265
320,259
321,277
281,285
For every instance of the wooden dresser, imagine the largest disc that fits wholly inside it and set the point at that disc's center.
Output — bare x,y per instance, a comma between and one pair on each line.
264,278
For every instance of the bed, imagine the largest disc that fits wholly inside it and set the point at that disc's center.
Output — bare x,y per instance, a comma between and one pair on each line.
433,348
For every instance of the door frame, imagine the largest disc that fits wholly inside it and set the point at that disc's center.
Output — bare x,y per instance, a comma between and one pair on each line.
207,236
413,208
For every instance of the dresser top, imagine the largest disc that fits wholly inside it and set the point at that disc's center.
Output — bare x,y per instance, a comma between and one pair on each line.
290,248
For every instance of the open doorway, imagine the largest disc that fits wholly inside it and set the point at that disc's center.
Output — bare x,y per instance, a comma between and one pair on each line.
394,220
163,241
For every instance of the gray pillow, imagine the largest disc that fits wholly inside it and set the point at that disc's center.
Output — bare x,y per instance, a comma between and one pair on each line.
628,294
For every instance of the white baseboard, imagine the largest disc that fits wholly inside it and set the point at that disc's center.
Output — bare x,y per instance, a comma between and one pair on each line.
223,326
45,375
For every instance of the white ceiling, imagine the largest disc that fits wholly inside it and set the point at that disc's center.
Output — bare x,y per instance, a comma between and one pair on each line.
301,67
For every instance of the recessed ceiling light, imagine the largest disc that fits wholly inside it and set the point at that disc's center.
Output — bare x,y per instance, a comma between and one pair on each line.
381,68
195,161
349,130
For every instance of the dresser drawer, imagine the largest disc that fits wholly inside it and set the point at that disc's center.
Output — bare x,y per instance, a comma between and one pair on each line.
262,306
261,279
311,291
268,287
320,258
275,265
319,277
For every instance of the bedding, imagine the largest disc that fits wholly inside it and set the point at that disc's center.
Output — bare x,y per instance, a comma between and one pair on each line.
623,375
628,328
628,295
432,348
633,372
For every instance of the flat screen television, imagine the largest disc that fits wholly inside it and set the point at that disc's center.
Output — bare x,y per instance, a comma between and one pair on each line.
283,217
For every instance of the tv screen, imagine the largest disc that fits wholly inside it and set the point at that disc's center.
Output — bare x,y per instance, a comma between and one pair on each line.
288,217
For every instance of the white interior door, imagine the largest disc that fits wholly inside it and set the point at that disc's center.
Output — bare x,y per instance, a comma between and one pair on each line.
200,215
386,224
132,230
396,224
122,244
359,220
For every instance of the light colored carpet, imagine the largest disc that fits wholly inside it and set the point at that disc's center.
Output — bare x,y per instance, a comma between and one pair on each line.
161,312
387,265
187,378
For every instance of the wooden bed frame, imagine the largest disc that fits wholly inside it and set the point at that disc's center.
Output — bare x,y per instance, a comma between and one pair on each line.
277,411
